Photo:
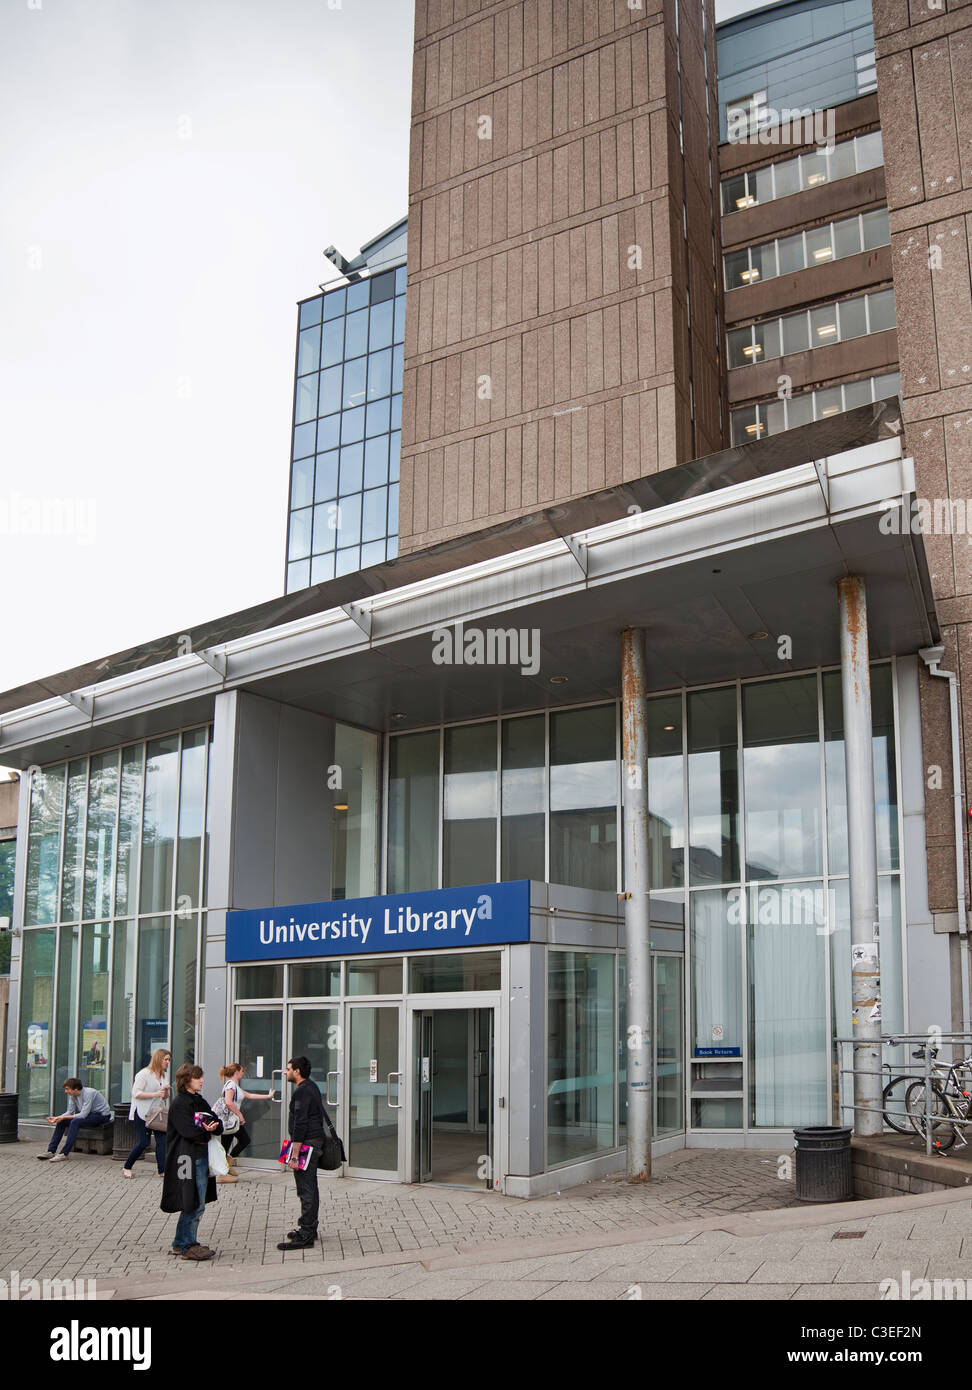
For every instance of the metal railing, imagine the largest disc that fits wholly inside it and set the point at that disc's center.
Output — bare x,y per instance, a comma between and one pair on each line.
946,1086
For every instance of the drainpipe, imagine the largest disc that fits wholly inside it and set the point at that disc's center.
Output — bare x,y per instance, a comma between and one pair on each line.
634,716
855,675
932,657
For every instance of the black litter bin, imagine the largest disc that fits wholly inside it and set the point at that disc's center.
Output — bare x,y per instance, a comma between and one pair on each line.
823,1163
8,1117
123,1136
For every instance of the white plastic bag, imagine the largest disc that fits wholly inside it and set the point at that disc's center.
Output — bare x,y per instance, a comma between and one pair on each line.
218,1166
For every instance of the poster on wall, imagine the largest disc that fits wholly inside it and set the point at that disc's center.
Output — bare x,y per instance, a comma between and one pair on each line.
153,1034
94,1040
37,1044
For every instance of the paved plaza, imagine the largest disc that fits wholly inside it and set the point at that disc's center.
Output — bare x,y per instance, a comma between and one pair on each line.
710,1225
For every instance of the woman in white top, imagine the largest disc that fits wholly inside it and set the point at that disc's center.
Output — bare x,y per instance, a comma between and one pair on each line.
233,1096
149,1086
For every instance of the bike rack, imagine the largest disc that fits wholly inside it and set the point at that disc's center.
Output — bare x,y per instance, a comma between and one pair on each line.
961,1042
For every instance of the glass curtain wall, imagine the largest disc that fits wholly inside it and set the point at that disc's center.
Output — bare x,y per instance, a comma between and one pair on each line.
114,869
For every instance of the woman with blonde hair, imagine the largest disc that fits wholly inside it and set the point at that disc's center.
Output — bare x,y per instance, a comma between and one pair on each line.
235,1138
148,1088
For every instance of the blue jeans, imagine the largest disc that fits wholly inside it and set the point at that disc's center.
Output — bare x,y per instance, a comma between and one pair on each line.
72,1127
142,1136
189,1220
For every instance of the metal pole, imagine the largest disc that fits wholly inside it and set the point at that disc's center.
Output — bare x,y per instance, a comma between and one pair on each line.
634,713
862,856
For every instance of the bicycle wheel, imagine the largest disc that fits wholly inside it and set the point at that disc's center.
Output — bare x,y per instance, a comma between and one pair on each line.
943,1131
895,1114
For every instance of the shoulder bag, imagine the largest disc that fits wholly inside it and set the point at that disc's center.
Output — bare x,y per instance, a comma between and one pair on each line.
228,1118
332,1153
157,1118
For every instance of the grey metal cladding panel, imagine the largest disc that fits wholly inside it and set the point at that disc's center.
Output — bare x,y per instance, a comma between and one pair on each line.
302,869
255,810
219,795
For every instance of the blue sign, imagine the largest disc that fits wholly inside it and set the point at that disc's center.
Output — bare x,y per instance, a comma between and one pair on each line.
455,918
718,1052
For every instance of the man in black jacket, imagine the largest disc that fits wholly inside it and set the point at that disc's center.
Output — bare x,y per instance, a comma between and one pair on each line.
306,1127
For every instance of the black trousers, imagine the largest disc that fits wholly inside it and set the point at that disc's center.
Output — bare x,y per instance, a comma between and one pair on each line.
309,1194
236,1142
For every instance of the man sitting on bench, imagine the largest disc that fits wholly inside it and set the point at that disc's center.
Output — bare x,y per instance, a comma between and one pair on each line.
86,1107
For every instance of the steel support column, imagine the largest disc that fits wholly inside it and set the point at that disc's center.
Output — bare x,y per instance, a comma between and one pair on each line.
636,915
862,856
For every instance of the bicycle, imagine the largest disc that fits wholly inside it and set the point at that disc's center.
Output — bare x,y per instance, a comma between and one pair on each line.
894,1093
951,1100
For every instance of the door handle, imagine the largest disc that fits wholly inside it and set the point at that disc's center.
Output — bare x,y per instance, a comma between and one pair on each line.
327,1088
390,1102
277,1071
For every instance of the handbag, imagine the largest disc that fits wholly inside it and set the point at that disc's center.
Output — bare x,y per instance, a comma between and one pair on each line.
229,1120
157,1118
332,1151
218,1164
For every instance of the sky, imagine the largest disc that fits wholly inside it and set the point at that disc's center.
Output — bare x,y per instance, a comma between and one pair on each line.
169,176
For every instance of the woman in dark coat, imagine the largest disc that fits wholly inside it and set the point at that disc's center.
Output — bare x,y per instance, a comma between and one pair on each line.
187,1185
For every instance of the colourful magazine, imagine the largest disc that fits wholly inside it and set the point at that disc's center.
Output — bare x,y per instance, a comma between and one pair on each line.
303,1154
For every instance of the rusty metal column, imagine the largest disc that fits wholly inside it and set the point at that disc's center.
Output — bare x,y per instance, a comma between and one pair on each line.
862,856
634,718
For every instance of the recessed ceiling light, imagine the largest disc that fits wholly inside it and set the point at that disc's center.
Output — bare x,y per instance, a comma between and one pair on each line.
748,275
399,715
746,202
340,806
559,680
823,253
668,728
757,636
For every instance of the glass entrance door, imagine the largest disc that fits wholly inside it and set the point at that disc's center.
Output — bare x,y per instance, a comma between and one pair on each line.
260,1053
373,1103
669,1035
315,1033
453,1096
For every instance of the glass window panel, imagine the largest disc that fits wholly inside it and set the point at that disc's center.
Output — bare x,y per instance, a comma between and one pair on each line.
788,1024
100,850
823,325
329,399
814,169
349,520
394,454
842,162
375,976
322,568
400,280
159,823
736,268
391,548
121,1038
381,327
334,304
713,772
298,575
373,513
741,347
581,1054
524,798
259,981
413,812
189,862
745,427
772,415
69,941
376,461
355,374
820,245
129,826
786,177
379,417
382,287
870,150
352,425
310,311
717,974
767,340
305,407
796,333
379,374
44,844
781,764
36,1023
152,993
8,859
328,432
791,253
304,436
317,979
326,476
853,318
93,1014
763,261
759,183
71,870
887,385
583,798
332,343
734,194
857,393
356,334
885,777
396,413
470,805
435,973
847,237
308,350
184,967
347,561
400,319
325,527
827,403
880,309
358,294
373,553
299,544
354,814
393,511
666,819
352,463
302,483
398,360
799,410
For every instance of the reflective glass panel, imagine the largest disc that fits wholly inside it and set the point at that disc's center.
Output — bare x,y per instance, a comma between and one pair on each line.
847,237
152,994
299,544
796,333
354,814
325,527
194,747
524,798
877,231
413,812
334,303
435,973
69,942
713,772
259,981
100,851
121,1071
302,483
310,311
791,254
316,979
326,476
470,809
329,399
820,245
583,798
44,843
308,351
823,325
356,334
93,1015
381,326
666,818
717,1022
36,1024
183,1042
159,823
853,317
885,776
71,870
332,343
129,826
781,764
375,976
581,1054
880,308
741,347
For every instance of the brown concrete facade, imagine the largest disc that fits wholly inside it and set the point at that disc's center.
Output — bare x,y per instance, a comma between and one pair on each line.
924,62
563,321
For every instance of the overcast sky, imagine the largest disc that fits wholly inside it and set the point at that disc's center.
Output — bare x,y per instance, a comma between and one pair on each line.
169,176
